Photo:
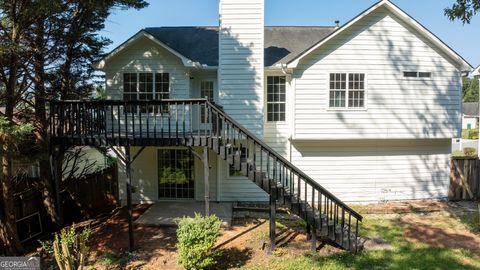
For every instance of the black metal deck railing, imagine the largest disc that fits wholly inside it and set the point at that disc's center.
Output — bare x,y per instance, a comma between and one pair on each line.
197,122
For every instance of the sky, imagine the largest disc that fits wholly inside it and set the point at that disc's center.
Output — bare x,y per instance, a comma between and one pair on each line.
464,39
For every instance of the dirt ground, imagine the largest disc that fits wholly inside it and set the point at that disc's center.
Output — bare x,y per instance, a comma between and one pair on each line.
246,242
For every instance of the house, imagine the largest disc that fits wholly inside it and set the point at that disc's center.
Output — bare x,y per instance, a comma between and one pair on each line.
470,115
308,117
476,72
367,109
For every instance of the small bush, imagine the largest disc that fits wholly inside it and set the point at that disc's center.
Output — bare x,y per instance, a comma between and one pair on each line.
196,238
69,248
466,152
470,152
470,134
458,153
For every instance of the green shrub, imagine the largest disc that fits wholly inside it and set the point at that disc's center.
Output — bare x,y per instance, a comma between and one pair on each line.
466,152
470,134
458,153
69,248
196,238
470,152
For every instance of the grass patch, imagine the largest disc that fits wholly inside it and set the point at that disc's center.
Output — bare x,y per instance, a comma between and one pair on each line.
404,255
471,220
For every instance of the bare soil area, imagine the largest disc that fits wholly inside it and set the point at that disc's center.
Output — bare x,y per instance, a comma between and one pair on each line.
246,242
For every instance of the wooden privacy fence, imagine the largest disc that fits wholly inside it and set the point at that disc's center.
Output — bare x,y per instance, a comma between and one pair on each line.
93,194
464,179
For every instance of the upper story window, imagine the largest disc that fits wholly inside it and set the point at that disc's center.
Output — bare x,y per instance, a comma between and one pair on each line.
276,98
146,86
416,74
206,91
347,90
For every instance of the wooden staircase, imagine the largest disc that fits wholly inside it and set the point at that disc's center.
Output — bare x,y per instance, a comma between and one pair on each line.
149,123
329,220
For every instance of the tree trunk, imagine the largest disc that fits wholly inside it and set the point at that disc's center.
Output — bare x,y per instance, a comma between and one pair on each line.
8,226
41,127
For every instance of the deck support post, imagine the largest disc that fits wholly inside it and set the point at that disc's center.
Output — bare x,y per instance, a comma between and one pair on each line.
55,159
309,232
206,176
313,236
128,170
273,213
206,169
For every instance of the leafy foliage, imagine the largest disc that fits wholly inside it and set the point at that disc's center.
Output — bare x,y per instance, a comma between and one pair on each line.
466,152
69,248
196,238
470,89
14,134
470,134
463,10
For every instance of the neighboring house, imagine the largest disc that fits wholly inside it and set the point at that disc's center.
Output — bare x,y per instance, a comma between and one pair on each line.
476,72
367,110
470,115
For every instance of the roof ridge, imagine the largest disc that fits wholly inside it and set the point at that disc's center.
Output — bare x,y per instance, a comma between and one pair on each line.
266,26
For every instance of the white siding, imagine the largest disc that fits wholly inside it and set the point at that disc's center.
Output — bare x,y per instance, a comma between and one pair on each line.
145,176
144,55
240,72
382,47
377,170
237,188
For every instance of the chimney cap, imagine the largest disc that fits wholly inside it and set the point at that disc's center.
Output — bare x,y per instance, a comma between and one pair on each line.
337,23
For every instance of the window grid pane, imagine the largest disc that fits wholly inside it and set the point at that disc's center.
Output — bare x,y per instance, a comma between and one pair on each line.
338,86
206,91
276,98
146,86
175,174
338,90
356,93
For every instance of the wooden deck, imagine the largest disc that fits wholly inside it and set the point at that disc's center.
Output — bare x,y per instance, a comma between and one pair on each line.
197,122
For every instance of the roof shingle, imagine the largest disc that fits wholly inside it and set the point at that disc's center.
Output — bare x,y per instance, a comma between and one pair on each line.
200,44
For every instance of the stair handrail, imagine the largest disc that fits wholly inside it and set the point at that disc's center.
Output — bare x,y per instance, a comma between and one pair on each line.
287,163
237,125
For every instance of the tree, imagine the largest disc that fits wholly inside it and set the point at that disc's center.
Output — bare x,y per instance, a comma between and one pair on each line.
47,48
463,10
68,40
15,20
470,90
11,137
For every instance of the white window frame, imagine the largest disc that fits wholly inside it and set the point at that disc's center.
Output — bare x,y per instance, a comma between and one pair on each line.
347,108
276,102
417,77
202,95
211,98
154,92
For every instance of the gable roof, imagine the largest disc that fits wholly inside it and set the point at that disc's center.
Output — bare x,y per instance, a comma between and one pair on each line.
283,45
470,108
476,72
200,44
463,64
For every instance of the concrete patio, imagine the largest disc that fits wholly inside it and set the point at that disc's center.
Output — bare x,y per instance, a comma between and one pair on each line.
165,213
